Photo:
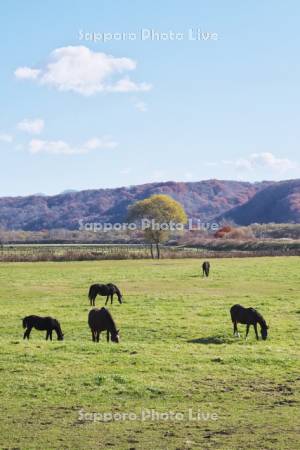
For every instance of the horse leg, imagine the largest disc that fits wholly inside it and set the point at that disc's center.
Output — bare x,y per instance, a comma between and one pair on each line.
26,334
98,336
93,335
234,328
47,335
50,334
111,298
107,336
236,331
247,330
107,297
255,328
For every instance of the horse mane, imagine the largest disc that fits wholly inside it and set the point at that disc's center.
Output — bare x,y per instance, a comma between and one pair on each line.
260,319
118,291
57,327
110,318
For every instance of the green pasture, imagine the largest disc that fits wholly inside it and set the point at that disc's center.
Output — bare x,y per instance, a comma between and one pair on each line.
177,380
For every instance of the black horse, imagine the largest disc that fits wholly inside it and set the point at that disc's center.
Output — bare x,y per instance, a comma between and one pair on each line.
42,323
101,320
248,316
205,268
107,290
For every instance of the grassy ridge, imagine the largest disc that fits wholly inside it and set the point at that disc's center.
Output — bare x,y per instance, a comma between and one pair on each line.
176,352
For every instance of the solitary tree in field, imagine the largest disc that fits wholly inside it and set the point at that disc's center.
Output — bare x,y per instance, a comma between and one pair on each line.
158,214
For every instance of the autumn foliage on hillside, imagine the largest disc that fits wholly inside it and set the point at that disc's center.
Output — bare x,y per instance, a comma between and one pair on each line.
202,200
278,203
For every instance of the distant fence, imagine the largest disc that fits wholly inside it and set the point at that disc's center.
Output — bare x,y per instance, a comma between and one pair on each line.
88,252
82,252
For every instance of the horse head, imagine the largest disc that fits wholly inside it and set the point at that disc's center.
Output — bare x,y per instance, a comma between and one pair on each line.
264,332
60,334
60,337
115,336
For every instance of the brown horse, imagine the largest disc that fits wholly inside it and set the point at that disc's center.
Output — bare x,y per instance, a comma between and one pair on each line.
42,323
205,268
101,320
106,290
248,316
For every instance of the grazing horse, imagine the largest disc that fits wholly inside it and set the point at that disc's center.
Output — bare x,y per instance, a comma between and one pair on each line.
205,268
248,316
42,323
101,320
107,290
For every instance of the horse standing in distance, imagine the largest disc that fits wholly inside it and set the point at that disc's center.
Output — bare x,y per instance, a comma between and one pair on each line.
100,320
107,290
248,316
205,268
42,323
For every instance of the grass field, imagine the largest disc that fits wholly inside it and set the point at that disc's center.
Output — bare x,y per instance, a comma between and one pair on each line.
176,353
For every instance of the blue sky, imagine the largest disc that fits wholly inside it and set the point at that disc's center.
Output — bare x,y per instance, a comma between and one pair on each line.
78,114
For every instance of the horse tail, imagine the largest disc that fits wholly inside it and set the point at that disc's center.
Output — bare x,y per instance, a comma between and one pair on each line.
235,311
91,290
232,314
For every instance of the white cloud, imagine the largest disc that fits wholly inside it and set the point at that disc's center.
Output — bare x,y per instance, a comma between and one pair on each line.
79,69
6,138
96,143
126,85
31,126
141,106
26,73
269,160
64,148
264,160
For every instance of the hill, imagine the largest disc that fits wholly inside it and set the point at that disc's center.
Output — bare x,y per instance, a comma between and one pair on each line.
202,200
278,203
